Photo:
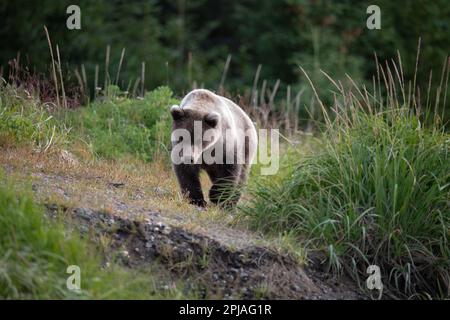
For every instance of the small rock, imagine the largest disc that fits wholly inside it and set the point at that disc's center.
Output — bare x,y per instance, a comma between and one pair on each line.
161,226
244,276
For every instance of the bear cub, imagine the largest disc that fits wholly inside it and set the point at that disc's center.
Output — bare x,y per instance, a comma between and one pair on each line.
211,133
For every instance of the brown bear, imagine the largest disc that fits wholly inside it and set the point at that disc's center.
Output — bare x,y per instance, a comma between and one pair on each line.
211,133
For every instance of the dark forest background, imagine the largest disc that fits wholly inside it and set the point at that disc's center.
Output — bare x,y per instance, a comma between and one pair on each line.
184,43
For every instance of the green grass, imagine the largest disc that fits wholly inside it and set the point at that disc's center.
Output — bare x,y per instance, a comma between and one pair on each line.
36,251
114,127
121,127
377,191
24,120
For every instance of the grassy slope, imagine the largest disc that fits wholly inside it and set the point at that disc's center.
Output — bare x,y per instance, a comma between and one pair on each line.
114,140
36,251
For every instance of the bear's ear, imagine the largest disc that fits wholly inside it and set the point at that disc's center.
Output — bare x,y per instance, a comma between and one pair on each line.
212,119
176,112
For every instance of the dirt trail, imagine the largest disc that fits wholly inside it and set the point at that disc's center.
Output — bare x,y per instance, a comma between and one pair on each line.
227,262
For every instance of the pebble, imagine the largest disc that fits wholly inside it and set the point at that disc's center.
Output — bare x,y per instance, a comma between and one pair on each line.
166,230
244,276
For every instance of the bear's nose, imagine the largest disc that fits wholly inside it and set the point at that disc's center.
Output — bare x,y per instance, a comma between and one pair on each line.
188,159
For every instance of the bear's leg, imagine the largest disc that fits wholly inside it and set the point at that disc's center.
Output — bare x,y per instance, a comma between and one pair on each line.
243,175
189,181
224,191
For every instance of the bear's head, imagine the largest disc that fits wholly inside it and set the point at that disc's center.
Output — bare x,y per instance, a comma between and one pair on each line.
193,132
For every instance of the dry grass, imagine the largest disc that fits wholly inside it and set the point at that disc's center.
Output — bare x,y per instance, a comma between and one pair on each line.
128,188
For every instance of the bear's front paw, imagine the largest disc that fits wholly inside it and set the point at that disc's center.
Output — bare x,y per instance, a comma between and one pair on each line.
198,202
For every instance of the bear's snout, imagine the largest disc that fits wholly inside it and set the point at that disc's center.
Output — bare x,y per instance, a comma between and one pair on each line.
188,159
190,155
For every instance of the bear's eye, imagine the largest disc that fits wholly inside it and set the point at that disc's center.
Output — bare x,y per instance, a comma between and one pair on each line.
212,119
177,140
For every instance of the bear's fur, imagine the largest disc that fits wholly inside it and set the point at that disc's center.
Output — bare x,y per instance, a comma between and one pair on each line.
226,123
